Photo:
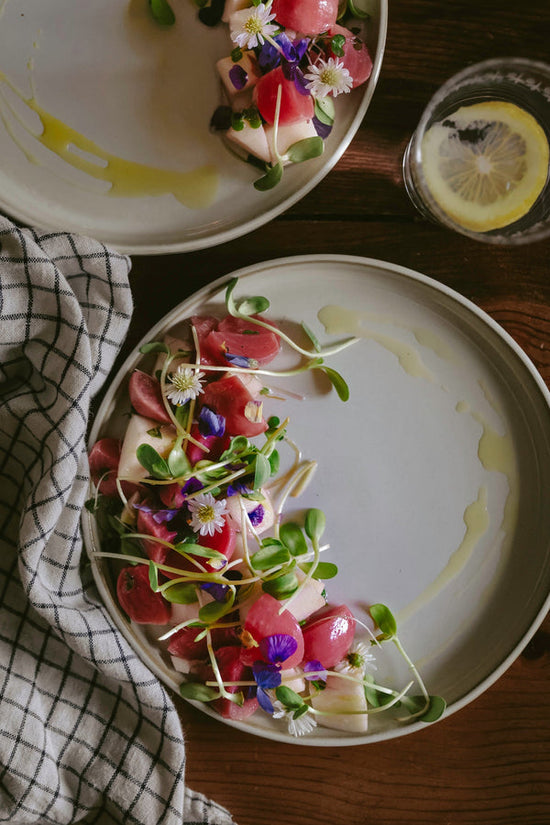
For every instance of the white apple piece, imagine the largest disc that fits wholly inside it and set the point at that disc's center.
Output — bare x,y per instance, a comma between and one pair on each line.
342,698
142,430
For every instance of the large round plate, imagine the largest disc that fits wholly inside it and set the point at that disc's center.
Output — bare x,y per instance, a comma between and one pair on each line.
145,94
434,476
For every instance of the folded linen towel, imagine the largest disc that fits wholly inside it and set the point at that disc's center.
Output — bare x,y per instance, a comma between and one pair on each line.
87,733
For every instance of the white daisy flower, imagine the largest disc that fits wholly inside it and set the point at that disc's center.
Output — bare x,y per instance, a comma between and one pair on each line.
328,77
207,514
186,385
250,27
301,726
357,661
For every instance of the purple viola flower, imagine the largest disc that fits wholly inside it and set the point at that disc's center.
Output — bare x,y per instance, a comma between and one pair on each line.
278,648
322,129
192,485
267,676
318,672
239,360
238,77
160,516
238,487
216,590
210,423
256,516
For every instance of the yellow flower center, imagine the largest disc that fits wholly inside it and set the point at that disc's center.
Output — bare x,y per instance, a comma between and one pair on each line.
330,76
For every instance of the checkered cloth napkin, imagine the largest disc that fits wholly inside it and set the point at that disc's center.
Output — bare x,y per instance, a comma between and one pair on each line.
87,733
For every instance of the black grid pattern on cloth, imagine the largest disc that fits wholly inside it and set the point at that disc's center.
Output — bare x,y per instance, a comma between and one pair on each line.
87,733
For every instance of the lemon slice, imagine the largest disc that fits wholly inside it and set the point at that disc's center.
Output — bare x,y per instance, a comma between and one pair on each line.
486,164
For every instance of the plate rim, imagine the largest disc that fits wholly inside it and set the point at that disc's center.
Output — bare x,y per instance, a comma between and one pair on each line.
338,740
211,239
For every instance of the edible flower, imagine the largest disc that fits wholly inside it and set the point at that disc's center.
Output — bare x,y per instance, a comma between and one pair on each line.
314,671
267,676
250,27
328,77
207,514
357,660
210,423
187,385
278,647
297,725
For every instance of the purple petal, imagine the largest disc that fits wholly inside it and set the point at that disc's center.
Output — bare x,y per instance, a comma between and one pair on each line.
238,360
217,591
322,129
264,701
269,57
278,648
300,82
256,516
210,423
238,77
192,485
266,676
162,516
238,487
316,668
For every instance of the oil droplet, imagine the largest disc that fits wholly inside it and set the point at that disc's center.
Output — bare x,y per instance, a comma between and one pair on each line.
195,189
338,320
476,519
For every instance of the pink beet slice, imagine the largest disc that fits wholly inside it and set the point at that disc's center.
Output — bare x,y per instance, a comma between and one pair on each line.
232,669
137,599
294,105
328,635
305,16
356,58
103,459
263,619
229,397
146,397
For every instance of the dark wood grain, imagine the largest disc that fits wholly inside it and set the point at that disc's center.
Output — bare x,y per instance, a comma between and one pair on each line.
489,762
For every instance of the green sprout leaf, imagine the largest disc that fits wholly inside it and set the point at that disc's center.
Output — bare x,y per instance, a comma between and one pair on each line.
282,586
155,465
155,346
289,698
312,337
384,619
270,556
306,149
323,570
271,178
262,471
153,577
315,524
181,593
292,536
191,549
198,692
178,462
337,44
337,382
324,110
436,708
162,12
253,306
213,611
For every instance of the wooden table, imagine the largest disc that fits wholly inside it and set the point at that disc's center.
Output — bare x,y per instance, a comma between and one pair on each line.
490,762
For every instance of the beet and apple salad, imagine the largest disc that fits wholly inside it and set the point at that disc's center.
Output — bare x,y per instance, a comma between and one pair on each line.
190,508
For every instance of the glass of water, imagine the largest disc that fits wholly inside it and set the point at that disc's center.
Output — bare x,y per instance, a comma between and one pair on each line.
479,159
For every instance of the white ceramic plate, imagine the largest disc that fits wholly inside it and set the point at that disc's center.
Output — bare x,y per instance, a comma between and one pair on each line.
144,94
434,476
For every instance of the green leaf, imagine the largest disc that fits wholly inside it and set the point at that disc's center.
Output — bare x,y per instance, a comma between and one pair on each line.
315,523
269,556
198,692
181,593
306,149
289,698
177,460
155,346
291,534
312,337
324,110
253,306
435,710
384,619
270,179
324,570
153,577
337,44
162,13
191,549
274,462
282,586
155,465
213,611
337,382
262,471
